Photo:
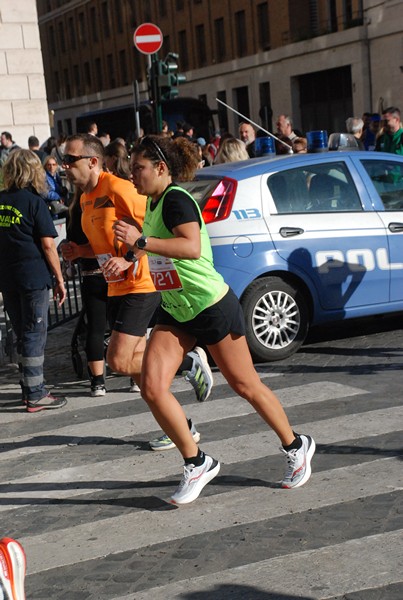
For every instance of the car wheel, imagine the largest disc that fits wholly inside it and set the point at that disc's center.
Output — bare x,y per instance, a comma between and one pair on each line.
276,316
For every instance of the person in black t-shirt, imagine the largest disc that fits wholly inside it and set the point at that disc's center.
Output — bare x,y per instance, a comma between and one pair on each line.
28,259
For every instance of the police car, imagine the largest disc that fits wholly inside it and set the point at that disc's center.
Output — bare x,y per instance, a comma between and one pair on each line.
306,239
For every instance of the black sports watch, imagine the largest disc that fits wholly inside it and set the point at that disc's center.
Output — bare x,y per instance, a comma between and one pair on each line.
130,256
141,243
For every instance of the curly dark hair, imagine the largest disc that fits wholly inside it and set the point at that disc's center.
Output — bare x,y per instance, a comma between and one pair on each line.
179,154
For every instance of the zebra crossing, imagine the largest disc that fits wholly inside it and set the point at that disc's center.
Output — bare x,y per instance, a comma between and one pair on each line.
90,503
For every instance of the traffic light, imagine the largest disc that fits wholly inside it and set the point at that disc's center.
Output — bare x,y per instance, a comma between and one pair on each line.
163,81
169,79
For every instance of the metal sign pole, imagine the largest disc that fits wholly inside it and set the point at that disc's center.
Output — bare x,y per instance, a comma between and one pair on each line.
136,103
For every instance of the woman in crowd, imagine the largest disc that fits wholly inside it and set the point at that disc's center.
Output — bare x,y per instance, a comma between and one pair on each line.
28,259
299,145
58,150
57,193
197,305
116,160
231,150
50,145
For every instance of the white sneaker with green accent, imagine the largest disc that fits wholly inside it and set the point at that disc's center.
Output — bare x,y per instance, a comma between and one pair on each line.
165,443
194,479
200,375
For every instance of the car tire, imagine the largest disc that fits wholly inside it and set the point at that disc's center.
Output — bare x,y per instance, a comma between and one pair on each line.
277,318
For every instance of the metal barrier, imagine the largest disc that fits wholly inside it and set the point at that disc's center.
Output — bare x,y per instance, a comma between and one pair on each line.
71,307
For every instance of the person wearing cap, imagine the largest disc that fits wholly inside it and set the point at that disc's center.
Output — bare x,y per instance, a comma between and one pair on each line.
204,152
371,132
188,131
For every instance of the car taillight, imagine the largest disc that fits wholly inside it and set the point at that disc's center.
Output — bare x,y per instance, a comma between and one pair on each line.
219,204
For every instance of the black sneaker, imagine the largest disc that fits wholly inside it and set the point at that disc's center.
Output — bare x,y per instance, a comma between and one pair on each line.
45,403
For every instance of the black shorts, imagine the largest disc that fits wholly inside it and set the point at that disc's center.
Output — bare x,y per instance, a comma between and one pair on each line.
213,324
132,313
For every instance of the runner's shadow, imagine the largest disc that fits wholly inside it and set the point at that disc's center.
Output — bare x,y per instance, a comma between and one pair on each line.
232,591
63,440
365,450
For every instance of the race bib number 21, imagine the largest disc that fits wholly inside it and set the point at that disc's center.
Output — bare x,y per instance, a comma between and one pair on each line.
164,274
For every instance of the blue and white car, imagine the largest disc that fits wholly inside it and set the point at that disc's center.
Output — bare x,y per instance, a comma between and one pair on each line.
306,239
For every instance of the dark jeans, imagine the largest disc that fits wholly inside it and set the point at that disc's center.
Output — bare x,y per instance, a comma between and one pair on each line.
28,312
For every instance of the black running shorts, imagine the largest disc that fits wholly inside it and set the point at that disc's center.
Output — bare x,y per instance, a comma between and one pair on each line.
213,324
132,313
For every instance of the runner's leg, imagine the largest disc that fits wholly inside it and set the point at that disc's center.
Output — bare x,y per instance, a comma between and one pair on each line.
233,358
164,353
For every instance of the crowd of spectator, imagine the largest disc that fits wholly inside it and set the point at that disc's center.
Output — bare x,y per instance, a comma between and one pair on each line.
373,131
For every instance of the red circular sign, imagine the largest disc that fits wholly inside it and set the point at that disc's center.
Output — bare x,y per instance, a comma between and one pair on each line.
148,38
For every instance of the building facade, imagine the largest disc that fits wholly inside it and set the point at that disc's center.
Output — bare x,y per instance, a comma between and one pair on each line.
23,103
320,61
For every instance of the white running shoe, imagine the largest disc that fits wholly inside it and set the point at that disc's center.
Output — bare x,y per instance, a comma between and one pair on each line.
200,375
298,469
194,479
12,569
133,386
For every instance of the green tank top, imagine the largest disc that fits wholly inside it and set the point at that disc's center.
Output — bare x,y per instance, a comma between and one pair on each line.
187,286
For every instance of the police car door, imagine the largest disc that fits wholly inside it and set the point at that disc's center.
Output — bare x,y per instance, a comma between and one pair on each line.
386,174
325,231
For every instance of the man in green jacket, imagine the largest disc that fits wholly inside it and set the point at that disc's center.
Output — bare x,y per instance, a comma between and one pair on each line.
392,138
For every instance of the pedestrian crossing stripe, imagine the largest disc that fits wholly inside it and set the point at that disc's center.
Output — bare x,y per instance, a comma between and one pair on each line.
374,562
247,505
366,563
144,422
148,466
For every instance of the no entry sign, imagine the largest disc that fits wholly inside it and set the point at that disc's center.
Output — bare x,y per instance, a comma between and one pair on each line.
148,38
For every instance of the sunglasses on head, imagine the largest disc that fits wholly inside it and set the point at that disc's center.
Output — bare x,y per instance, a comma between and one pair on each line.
69,159
150,142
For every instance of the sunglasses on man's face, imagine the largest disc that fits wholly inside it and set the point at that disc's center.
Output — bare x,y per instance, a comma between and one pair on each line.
69,159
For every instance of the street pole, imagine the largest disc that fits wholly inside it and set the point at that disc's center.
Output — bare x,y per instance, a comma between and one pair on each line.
155,92
136,103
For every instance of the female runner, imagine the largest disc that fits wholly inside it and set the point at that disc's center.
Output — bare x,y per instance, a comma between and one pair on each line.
197,305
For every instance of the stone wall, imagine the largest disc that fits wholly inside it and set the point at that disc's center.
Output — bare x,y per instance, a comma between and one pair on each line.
23,104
